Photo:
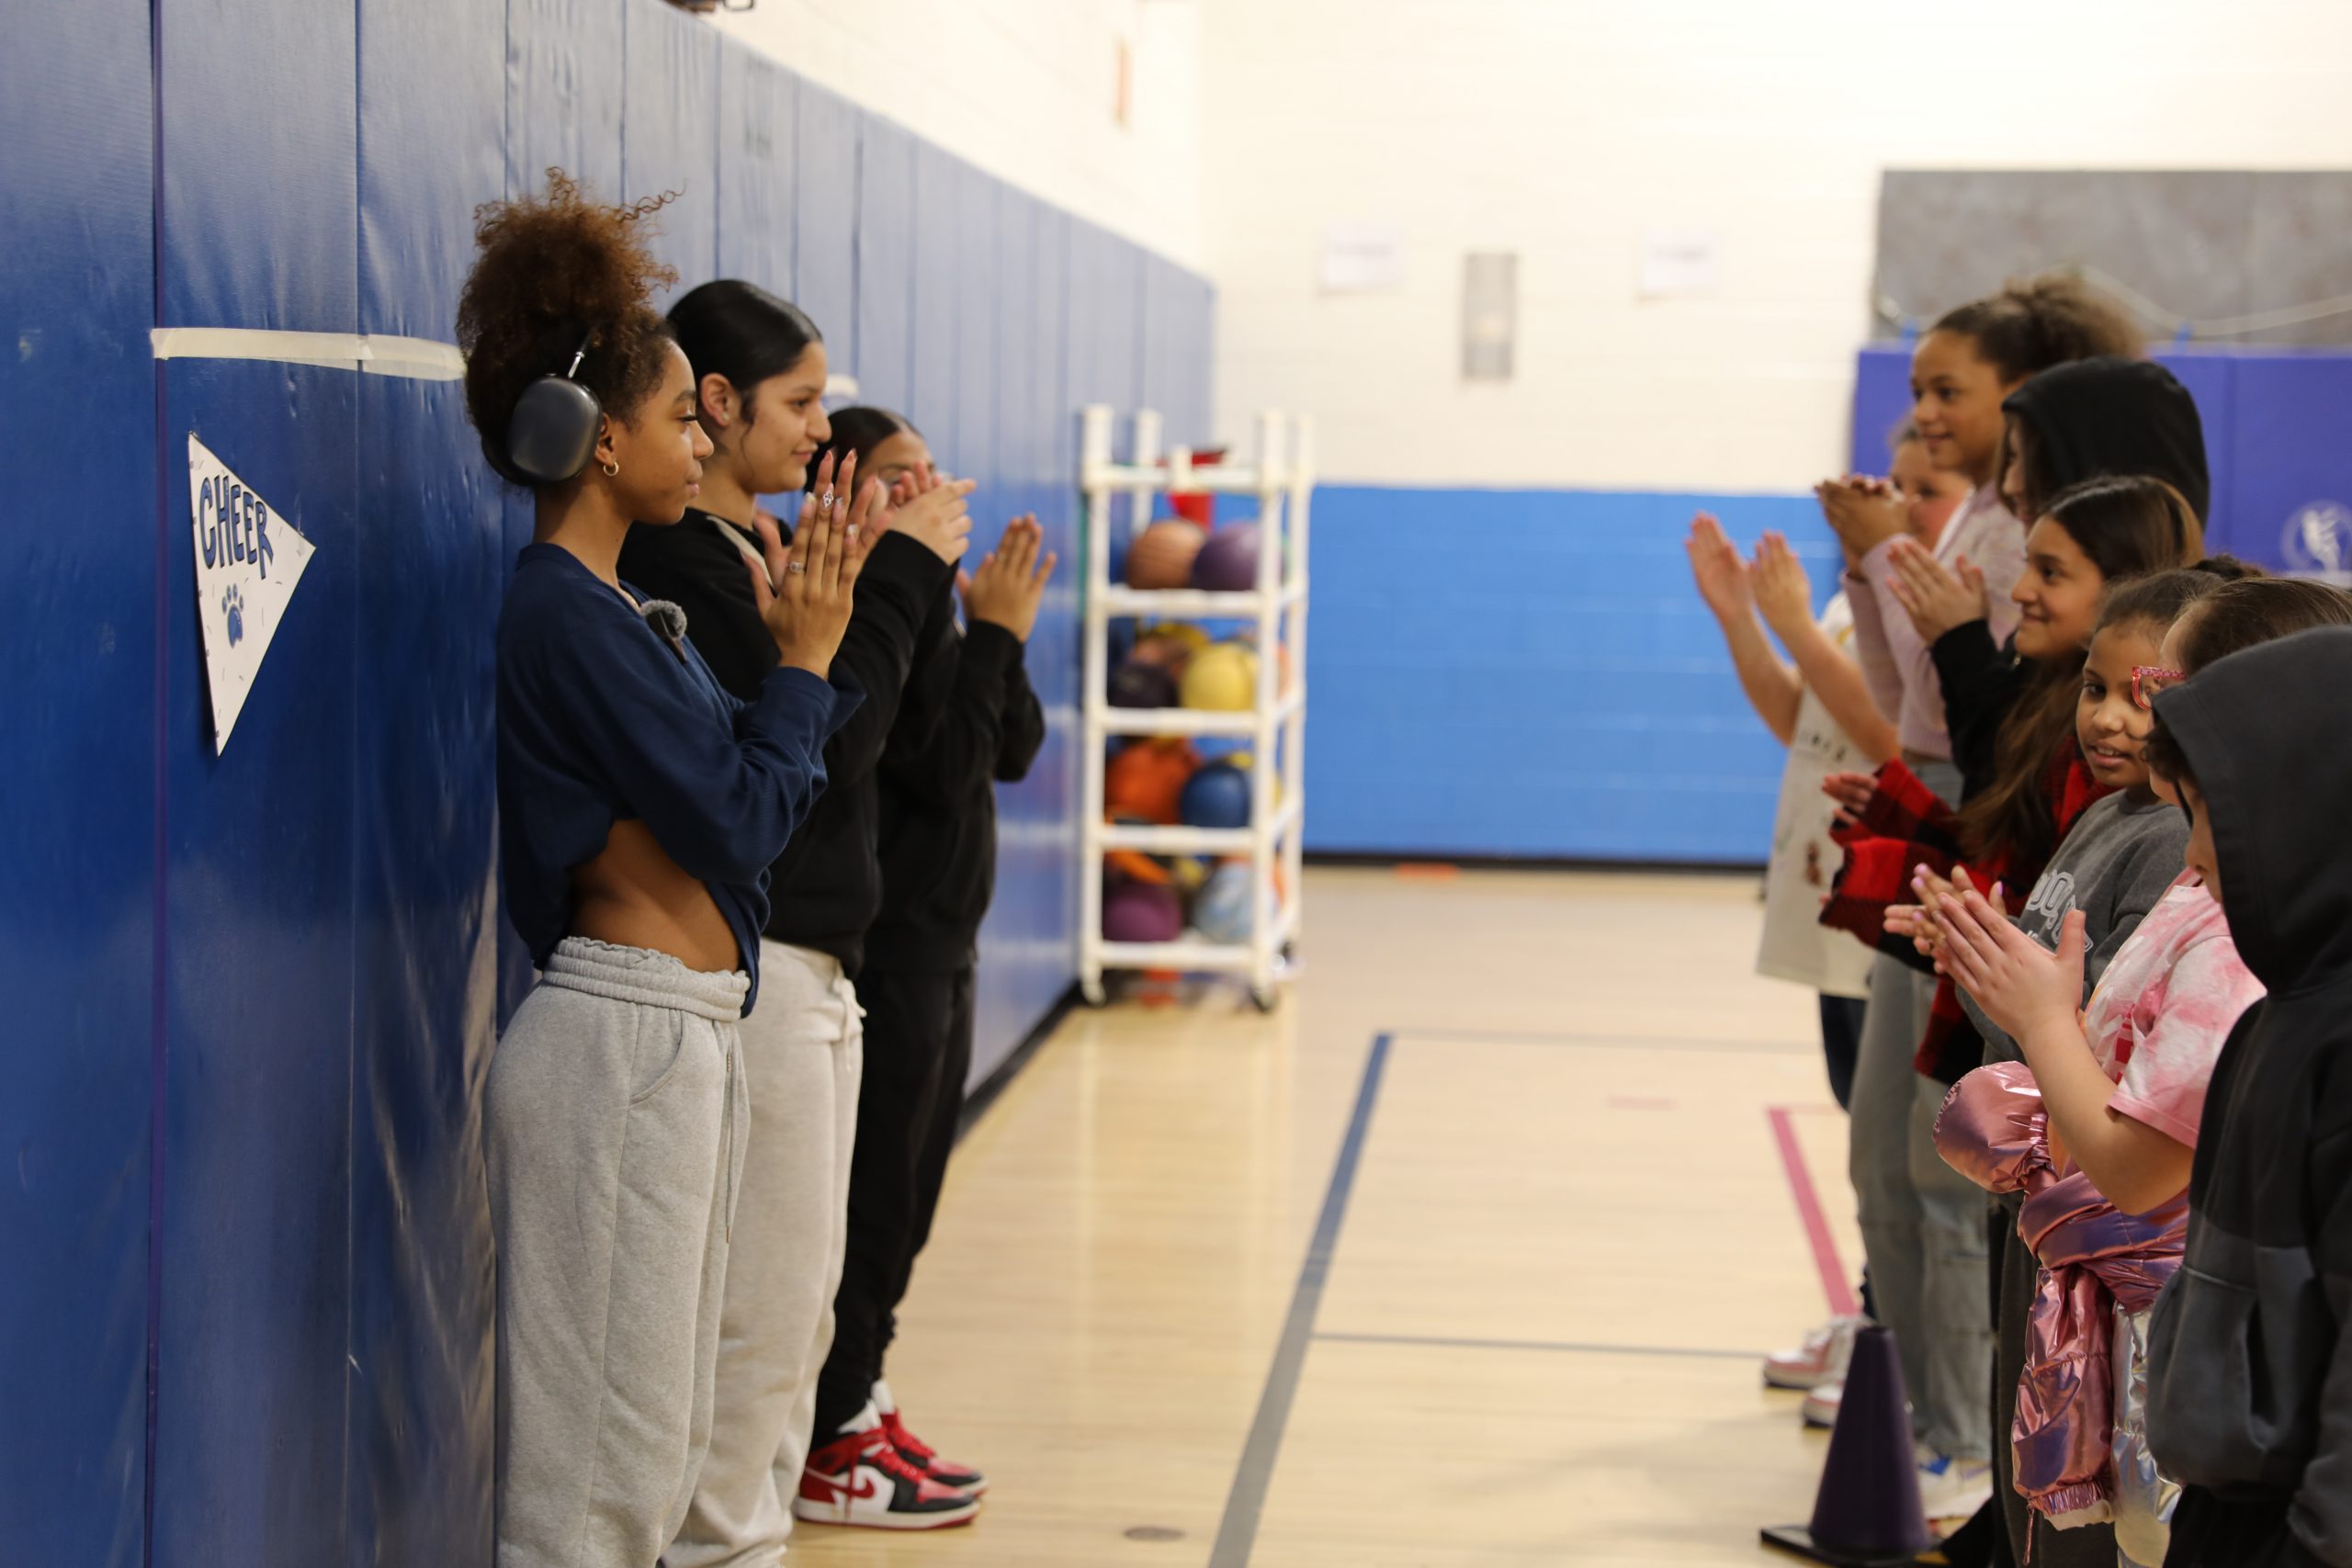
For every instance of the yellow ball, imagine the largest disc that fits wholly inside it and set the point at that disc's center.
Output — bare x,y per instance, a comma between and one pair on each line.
1222,679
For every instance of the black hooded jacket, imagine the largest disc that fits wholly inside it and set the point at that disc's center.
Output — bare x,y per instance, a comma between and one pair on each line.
2250,1370
2090,418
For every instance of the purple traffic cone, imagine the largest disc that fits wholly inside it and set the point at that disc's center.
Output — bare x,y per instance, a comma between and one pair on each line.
1867,1514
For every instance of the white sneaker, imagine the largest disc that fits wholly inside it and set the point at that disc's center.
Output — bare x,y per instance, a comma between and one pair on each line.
1951,1488
1821,1404
1823,1358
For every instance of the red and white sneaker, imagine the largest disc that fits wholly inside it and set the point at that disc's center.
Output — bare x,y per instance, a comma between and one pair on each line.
861,1479
922,1455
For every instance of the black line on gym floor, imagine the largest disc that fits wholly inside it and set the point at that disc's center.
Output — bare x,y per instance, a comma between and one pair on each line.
1558,1346
1237,1534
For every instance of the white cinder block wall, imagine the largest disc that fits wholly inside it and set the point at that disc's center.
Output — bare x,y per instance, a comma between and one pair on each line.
1561,128
1026,89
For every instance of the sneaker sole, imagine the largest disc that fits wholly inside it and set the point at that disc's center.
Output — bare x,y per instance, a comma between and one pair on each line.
945,1519
1794,1383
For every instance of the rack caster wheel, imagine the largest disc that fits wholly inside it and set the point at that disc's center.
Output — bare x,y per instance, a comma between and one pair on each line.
1267,999
1091,993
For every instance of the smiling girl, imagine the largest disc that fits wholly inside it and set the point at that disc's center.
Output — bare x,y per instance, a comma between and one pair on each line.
639,806
761,369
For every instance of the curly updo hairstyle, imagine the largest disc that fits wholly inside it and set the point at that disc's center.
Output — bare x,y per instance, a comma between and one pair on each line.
2036,323
553,272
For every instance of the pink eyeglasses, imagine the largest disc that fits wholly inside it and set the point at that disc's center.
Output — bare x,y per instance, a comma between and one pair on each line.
2147,680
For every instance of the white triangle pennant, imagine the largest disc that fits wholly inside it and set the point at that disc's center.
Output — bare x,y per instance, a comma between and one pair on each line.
248,559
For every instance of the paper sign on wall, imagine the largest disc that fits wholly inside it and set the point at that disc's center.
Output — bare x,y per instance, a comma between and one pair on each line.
1363,258
248,559
1679,264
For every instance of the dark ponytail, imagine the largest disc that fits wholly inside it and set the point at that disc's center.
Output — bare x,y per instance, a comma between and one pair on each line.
741,331
859,430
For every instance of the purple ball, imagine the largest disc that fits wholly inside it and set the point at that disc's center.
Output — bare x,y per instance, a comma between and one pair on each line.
1141,911
1228,563
1138,685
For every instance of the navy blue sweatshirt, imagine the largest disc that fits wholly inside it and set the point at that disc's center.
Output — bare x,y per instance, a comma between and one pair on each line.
603,718
938,778
826,885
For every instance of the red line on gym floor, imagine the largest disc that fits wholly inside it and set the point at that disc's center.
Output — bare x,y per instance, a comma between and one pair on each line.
1834,1282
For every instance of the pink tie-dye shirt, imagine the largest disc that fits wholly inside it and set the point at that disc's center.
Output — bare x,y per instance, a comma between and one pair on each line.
2163,1009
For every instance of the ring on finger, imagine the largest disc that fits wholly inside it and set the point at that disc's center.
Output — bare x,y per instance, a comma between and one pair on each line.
795,568
826,500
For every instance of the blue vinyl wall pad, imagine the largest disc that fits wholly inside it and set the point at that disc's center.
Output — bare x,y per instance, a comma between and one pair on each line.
261,988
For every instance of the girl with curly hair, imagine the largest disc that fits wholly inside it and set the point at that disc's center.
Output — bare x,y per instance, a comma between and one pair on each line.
639,807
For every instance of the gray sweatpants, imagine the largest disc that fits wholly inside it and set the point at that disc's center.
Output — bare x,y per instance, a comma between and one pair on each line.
615,1119
1922,1223
804,1051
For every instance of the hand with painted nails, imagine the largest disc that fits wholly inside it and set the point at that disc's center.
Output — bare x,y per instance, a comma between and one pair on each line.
806,592
1936,599
2023,987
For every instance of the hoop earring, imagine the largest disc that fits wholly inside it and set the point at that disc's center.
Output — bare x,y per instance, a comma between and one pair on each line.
612,471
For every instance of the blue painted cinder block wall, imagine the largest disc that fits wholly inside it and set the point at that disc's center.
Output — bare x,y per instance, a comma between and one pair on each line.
245,1270
1528,674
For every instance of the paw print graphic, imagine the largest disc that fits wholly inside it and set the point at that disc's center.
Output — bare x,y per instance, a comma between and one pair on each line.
233,605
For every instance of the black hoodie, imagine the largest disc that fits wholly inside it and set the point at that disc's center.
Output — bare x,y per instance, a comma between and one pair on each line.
823,892
972,721
2091,418
2250,1373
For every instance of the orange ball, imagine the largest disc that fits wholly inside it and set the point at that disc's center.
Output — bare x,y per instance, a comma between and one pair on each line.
1147,779
1161,556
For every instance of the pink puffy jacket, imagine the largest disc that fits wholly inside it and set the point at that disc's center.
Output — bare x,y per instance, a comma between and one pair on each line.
1993,1130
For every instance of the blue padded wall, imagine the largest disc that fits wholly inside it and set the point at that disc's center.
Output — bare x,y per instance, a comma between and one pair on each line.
565,89
938,251
670,133
886,263
77,849
432,567
758,113
824,200
2271,434
250,1275
1558,692
253,1331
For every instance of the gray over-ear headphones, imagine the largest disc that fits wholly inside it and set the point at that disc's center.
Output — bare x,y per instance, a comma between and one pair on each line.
553,430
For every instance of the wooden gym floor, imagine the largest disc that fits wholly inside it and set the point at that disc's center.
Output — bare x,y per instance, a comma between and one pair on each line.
1463,1257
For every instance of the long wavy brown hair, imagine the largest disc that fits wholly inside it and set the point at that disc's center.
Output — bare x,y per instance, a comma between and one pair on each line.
2127,526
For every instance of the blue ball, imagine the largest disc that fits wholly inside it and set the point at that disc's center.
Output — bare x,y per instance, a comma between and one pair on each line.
1227,906
1216,796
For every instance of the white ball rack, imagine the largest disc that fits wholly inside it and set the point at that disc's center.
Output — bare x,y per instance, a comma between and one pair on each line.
1282,481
